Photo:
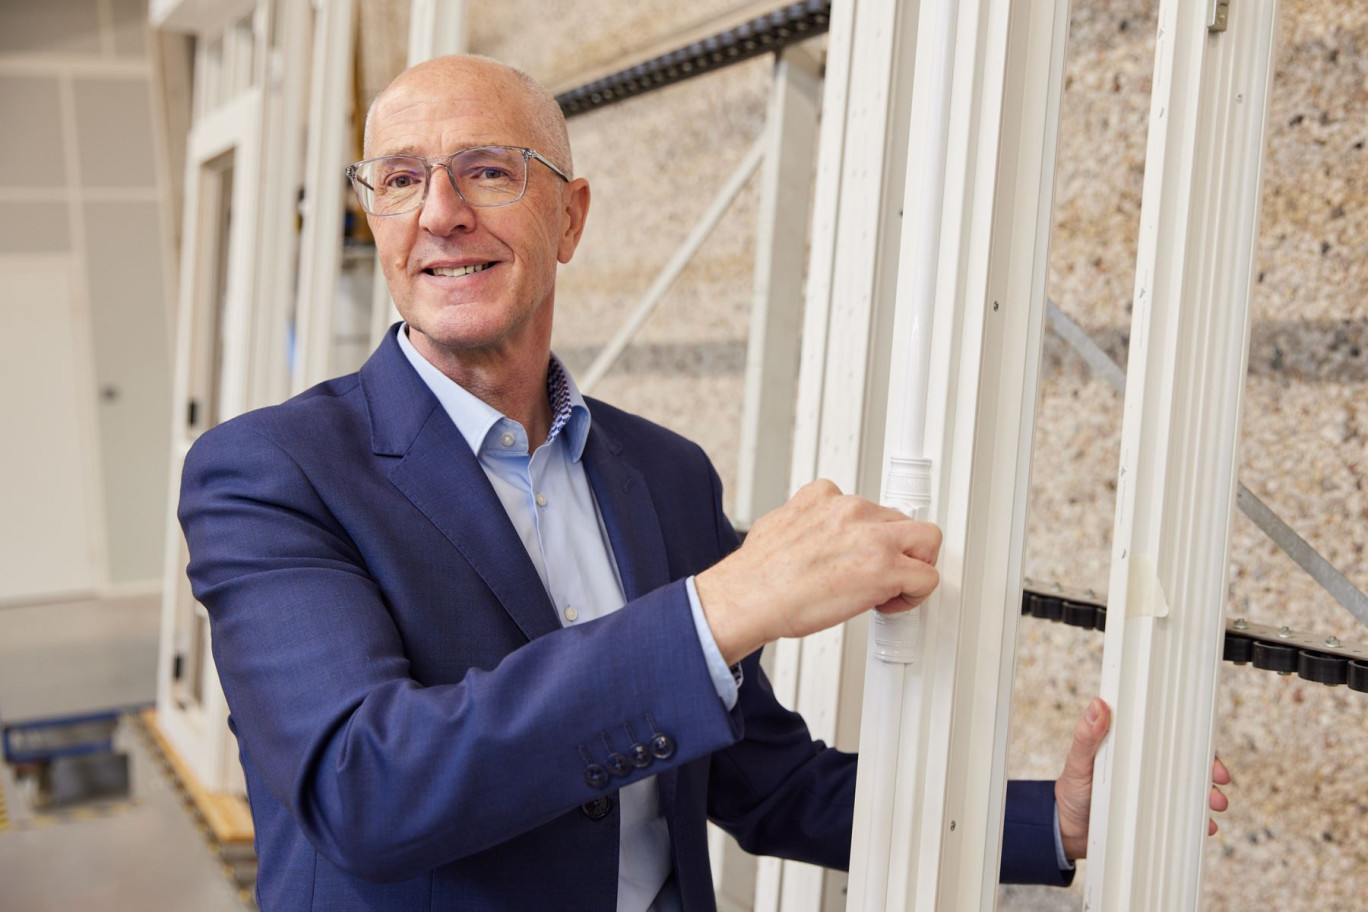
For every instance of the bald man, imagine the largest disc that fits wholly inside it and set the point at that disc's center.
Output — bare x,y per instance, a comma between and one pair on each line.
490,645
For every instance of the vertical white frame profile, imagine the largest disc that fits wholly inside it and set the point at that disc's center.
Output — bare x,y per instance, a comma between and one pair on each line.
200,733
436,28
320,258
773,346
1180,429
776,303
846,347
285,62
971,305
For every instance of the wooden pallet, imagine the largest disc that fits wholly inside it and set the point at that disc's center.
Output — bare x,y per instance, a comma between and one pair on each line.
227,816
225,821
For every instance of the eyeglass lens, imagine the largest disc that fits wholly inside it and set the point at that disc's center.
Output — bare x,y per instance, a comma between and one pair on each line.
485,176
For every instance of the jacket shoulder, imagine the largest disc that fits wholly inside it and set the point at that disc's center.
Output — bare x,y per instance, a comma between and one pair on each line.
323,412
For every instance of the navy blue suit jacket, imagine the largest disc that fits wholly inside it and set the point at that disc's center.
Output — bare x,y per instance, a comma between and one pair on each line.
417,730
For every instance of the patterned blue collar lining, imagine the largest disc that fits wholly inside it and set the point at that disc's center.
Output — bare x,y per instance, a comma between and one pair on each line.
558,394
569,413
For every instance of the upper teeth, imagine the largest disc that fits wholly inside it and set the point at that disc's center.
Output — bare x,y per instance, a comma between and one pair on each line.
459,270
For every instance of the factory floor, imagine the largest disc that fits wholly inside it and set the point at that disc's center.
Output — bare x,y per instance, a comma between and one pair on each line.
141,853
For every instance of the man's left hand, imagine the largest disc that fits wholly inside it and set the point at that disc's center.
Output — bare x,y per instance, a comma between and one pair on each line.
1073,789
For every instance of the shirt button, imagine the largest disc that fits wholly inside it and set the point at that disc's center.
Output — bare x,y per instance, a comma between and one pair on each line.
541,499
571,614
507,439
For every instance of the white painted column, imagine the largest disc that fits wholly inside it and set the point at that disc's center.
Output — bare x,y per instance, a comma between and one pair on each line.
1180,428
320,256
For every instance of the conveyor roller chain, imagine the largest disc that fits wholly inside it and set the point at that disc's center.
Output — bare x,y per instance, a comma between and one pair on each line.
764,34
1323,660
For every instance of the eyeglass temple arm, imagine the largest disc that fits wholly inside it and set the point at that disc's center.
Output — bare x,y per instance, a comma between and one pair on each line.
353,174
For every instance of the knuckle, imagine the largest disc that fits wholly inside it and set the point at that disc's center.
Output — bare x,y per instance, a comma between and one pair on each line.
823,487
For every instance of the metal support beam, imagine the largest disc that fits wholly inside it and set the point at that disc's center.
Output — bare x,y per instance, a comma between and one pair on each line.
1326,575
1180,427
608,356
971,304
320,258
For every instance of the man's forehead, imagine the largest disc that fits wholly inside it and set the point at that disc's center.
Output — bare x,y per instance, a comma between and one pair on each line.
412,116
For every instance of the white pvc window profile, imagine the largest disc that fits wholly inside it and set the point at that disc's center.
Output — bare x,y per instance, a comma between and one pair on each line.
1180,427
971,303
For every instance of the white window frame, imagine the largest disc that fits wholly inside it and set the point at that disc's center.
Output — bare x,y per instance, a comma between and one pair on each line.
320,259
1180,429
843,376
200,733
971,304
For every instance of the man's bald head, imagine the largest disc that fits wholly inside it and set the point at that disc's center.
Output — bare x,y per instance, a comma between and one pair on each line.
504,85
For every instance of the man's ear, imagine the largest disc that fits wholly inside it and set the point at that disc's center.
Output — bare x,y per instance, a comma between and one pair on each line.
575,212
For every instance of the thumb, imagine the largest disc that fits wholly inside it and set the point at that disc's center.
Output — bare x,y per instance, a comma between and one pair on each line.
1073,789
1088,735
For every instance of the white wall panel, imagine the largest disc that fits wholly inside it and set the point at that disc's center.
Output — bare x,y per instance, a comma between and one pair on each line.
46,540
54,26
133,376
114,133
33,103
34,227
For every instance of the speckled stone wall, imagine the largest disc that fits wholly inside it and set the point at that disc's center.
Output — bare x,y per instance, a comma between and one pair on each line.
1297,834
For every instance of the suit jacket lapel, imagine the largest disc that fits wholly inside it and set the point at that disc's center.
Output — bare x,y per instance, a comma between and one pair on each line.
439,474
634,531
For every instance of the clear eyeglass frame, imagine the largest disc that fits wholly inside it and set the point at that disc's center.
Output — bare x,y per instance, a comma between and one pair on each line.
362,188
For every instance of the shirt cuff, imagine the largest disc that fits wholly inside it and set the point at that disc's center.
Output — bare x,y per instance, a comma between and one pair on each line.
724,679
1064,863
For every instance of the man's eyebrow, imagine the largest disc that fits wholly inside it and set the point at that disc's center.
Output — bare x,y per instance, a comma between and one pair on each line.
402,150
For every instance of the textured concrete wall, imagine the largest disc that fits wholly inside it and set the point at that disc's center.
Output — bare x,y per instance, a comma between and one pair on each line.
1297,836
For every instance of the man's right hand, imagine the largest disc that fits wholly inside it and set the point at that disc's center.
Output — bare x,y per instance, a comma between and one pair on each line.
818,560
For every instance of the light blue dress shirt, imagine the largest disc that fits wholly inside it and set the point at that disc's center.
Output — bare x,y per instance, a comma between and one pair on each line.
549,501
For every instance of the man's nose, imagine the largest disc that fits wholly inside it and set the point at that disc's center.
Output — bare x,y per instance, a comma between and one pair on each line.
444,211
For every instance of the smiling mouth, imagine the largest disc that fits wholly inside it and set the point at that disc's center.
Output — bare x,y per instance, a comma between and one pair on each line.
457,270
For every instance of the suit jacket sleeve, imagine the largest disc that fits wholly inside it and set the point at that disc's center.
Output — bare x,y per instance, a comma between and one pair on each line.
387,777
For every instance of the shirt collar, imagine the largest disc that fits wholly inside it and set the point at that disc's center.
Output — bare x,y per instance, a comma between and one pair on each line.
475,419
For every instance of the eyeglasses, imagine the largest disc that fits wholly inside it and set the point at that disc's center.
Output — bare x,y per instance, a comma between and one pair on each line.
484,176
